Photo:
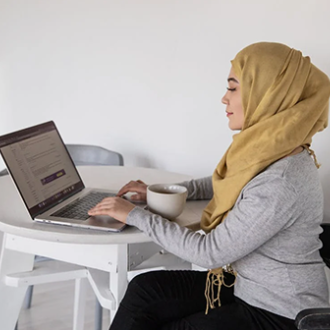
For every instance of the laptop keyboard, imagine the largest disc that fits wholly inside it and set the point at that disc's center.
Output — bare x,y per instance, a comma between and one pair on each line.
79,208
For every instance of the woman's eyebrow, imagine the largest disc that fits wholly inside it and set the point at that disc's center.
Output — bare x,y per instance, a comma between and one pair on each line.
232,79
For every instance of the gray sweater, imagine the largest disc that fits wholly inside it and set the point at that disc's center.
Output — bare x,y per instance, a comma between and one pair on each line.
271,237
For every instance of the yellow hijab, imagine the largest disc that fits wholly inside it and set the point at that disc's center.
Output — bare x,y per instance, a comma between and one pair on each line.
285,101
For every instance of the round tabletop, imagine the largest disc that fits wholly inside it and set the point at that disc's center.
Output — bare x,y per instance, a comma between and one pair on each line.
15,219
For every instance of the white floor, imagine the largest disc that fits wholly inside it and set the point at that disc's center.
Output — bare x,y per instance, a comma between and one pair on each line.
52,308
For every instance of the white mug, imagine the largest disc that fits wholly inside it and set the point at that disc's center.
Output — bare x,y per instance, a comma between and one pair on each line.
167,200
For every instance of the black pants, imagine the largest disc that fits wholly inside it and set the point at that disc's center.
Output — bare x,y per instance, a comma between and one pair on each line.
174,300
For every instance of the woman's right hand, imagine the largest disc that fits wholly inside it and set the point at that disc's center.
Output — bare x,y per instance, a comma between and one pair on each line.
138,187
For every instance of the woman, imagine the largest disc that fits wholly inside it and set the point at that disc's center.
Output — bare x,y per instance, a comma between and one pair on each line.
263,218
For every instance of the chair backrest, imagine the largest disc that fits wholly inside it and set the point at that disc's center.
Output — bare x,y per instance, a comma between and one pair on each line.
83,154
325,238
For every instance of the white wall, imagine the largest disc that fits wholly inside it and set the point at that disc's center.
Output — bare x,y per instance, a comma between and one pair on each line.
145,77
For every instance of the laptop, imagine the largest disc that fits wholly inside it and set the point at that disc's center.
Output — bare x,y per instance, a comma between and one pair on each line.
48,181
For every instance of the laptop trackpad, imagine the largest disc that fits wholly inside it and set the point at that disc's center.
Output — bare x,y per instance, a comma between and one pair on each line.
104,222
100,220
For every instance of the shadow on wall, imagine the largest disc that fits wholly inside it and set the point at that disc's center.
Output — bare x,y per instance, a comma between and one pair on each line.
142,161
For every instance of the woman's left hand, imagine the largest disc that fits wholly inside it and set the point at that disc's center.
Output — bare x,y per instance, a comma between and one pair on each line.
115,207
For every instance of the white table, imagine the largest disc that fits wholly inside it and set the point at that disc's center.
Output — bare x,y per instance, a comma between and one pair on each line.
100,258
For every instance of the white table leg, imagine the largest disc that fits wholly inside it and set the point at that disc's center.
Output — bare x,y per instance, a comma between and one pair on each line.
11,297
79,303
118,280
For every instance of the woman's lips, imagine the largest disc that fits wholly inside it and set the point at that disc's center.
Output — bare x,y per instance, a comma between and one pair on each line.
229,114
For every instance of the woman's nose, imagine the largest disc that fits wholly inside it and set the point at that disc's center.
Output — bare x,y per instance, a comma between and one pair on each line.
224,99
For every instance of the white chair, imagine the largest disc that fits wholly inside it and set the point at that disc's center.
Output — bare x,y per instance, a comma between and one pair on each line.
83,154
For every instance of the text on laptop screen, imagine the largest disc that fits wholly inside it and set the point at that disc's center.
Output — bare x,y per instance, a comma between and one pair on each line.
40,165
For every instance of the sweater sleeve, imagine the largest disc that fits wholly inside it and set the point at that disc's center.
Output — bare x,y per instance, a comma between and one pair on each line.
265,206
199,189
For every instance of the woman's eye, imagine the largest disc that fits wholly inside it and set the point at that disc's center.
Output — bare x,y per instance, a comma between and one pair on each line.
231,89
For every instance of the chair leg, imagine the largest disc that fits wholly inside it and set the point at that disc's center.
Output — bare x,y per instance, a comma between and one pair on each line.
28,297
79,303
98,315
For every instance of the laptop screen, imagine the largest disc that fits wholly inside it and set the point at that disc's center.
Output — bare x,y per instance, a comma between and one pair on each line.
41,166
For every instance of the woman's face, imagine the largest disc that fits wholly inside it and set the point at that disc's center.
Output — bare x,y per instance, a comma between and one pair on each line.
233,101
